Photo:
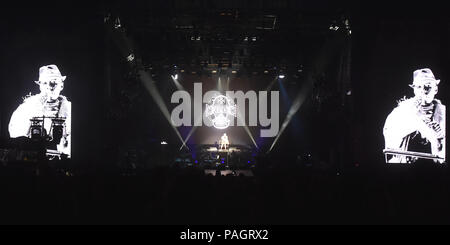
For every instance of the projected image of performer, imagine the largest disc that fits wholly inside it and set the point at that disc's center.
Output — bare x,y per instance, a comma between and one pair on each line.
417,124
53,109
224,142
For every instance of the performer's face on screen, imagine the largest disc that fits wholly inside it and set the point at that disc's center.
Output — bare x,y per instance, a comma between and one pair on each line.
426,92
51,88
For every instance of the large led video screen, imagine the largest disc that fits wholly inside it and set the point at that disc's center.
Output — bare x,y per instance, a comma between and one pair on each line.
45,117
415,129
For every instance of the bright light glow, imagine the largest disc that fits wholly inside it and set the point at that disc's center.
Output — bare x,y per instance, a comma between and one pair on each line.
224,142
149,84
416,127
117,24
163,143
321,63
177,84
221,122
220,111
47,114
214,71
130,57
334,27
156,96
281,76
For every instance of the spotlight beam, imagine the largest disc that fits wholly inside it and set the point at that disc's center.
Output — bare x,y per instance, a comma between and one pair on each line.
188,136
177,83
269,87
219,85
153,90
125,46
292,110
197,121
247,130
321,63
180,87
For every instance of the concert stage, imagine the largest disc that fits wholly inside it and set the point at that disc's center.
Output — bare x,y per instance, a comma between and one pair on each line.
210,156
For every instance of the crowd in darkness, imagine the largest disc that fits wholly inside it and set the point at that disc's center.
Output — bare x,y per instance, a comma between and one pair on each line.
275,195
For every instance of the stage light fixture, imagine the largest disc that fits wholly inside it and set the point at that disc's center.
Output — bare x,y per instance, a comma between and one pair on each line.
334,26
175,80
117,23
347,26
130,57
106,18
281,76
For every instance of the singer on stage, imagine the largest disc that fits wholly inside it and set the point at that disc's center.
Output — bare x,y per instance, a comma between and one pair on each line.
224,142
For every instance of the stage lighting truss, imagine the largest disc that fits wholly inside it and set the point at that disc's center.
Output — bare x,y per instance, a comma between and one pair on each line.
220,110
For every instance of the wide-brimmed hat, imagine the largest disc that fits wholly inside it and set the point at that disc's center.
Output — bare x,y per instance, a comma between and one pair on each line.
49,72
424,76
